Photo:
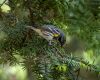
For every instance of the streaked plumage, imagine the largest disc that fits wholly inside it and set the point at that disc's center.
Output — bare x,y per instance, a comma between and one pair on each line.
50,32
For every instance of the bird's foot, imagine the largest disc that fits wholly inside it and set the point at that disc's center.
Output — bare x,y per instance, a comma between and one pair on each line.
50,44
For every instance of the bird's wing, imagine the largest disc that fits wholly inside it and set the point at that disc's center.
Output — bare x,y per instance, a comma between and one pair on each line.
51,29
46,33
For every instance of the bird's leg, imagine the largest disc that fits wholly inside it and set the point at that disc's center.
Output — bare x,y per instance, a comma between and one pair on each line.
50,43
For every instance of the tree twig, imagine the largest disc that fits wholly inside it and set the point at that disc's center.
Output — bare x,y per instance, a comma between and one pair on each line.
29,7
2,3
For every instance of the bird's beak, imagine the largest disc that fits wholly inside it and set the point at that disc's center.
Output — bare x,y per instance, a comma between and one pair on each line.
62,46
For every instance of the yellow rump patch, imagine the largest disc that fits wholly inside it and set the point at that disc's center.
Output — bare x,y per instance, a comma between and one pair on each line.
56,35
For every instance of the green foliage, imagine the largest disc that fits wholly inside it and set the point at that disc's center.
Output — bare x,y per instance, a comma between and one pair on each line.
23,46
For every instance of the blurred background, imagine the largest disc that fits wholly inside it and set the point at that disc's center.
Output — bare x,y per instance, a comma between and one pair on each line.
12,72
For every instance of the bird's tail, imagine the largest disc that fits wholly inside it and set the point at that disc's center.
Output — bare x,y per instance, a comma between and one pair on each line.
31,27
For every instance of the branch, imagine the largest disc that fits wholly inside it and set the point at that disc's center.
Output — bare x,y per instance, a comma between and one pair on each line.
78,61
29,7
3,3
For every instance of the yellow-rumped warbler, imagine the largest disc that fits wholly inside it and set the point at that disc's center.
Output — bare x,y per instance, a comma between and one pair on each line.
50,33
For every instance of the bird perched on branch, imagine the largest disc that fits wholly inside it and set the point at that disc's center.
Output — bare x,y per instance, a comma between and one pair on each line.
50,33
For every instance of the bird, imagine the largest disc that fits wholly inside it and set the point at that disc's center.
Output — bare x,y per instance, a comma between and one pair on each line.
50,33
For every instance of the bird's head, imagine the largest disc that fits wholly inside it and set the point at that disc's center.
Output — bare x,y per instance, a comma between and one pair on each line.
62,40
